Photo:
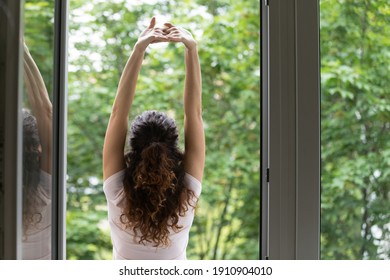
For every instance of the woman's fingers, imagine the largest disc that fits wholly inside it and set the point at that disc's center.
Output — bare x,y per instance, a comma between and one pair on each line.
171,29
167,33
175,32
168,24
159,31
152,22
158,36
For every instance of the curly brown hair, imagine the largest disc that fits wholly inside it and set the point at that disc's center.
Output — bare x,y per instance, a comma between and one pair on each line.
32,203
155,193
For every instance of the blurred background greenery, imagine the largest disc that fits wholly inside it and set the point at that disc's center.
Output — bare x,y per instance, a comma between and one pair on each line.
355,118
355,125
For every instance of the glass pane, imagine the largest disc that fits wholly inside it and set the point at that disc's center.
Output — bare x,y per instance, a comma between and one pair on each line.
355,129
102,36
37,128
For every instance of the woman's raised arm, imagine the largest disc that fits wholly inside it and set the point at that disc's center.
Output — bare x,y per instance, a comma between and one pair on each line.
195,148
41,107
114,141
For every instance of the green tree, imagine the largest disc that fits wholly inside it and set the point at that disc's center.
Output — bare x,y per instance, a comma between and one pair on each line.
355,124
39,37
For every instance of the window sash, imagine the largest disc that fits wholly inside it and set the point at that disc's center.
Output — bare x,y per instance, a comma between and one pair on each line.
291,210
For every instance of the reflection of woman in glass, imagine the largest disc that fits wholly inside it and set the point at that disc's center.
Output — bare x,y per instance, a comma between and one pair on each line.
152,191
36,165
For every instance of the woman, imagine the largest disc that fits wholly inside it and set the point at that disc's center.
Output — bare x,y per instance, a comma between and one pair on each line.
152,191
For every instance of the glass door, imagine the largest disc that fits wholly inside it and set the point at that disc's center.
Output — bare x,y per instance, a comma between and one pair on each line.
37,123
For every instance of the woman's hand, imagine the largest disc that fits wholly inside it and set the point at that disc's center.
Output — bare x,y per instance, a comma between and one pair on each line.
151,35
178,34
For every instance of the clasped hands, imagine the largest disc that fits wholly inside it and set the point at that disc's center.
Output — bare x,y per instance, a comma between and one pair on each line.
168,33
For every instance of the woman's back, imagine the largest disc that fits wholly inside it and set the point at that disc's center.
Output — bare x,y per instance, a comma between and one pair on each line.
126,245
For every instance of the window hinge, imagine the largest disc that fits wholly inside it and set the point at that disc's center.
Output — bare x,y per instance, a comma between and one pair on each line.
267,175
266,2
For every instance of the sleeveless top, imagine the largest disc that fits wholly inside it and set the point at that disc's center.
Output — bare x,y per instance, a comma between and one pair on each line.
125,247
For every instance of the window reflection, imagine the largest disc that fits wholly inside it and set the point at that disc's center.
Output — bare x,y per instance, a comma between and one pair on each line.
37,130
37,123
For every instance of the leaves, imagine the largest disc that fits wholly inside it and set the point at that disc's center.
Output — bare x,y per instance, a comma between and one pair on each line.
355,125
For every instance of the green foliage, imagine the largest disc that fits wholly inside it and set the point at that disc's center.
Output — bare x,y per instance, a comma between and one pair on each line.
87,235
355,114
39,37
102,35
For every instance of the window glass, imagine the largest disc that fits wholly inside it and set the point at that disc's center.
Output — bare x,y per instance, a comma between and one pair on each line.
355,129
37,128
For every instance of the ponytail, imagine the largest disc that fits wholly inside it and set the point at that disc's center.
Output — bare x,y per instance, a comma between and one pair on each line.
155,168
155,192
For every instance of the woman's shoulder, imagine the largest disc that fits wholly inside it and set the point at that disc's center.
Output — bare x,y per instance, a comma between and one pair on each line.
114,178
193,184
113,185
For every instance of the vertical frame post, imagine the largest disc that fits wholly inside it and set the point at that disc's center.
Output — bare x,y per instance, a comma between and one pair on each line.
294,142
11,128
308,129
264,232
59,130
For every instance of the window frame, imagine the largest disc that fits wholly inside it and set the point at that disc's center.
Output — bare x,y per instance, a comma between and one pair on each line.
11,202
291,198
11,189
290,140
60,104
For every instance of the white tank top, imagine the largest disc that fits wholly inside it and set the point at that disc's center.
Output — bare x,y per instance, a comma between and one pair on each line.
125,247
